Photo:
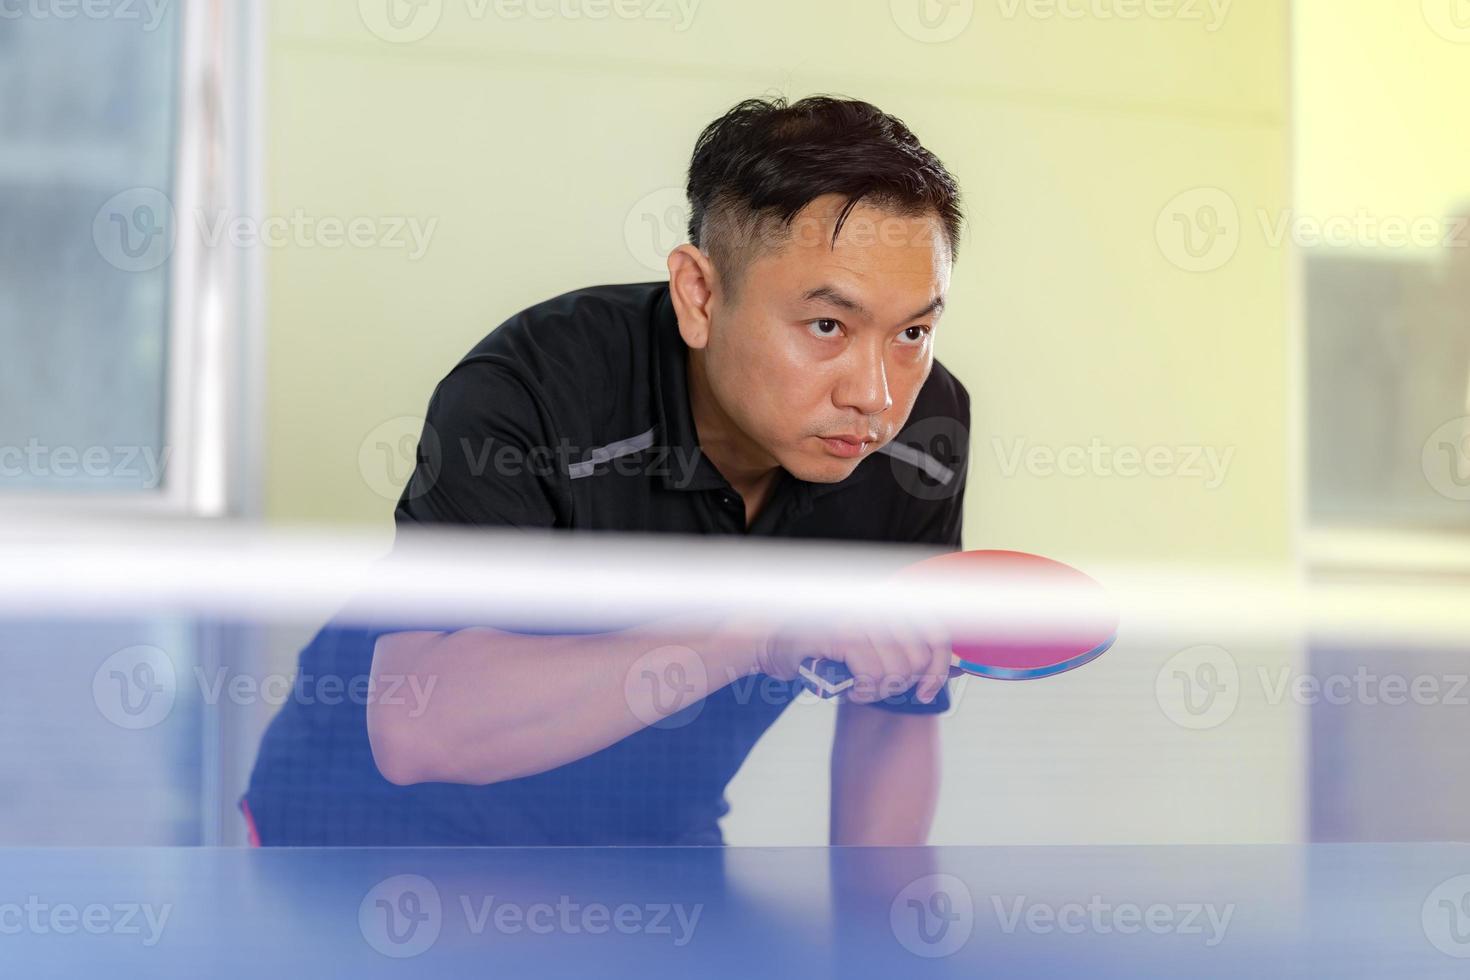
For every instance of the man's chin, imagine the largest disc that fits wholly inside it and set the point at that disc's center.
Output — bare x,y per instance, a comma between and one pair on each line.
829,470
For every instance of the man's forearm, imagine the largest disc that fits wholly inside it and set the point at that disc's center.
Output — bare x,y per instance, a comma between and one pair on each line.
885,776
504,705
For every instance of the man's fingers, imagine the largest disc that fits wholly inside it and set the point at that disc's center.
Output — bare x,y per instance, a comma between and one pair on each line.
915,654
865,664
924,656
938,668
888,660
904,657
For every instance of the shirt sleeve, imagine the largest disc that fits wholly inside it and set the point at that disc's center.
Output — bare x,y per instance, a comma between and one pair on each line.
487,455
485,458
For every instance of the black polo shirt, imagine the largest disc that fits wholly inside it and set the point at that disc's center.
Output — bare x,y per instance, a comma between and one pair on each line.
575,414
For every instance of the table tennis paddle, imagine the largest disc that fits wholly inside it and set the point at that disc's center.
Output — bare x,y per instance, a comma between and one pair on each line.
1012,647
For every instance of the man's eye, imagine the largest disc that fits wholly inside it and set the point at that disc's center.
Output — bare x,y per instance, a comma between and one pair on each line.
916,335
824,328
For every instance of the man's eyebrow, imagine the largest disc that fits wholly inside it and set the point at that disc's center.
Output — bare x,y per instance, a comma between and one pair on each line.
834,297
936,306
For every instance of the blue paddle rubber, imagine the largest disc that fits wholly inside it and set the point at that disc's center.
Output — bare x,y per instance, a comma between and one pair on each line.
829,678
1034,673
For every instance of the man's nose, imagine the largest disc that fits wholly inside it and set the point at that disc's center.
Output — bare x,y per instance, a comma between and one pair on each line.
864,385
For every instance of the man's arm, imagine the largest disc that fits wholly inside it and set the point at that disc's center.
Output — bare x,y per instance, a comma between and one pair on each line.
503,705
885,776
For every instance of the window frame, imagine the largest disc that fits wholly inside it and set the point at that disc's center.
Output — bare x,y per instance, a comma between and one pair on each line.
214,375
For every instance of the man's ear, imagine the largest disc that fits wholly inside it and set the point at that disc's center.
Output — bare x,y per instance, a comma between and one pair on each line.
692,286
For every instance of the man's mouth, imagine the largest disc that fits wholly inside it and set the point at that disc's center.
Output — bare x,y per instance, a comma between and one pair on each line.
848,446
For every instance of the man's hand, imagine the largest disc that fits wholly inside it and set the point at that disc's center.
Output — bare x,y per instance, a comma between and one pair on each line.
885,659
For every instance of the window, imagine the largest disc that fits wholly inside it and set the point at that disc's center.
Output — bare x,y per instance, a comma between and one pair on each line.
121,385
1381,226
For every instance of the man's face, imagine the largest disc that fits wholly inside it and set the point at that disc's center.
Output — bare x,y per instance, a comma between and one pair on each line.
819,358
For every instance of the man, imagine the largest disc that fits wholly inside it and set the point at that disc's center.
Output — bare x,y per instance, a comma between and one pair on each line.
761,391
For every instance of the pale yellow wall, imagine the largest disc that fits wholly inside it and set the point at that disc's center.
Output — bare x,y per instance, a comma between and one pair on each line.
533,142
1380,91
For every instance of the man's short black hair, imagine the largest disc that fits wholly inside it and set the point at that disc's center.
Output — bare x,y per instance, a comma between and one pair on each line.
759,164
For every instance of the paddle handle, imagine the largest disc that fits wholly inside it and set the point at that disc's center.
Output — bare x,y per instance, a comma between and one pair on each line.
830,678
825,678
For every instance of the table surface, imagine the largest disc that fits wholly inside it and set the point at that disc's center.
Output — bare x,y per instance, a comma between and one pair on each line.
1393,910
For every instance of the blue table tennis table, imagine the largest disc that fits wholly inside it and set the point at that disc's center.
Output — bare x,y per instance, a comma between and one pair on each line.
1314,911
